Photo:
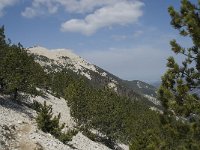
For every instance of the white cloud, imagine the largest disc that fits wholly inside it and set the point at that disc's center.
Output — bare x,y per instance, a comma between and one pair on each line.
120,13
29,12
83,6
4,4
100,13
40,7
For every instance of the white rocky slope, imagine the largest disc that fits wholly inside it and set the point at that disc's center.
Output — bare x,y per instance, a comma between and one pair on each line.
65,58
18,128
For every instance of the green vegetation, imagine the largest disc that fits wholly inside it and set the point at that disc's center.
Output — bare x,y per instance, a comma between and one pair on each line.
58,81
179,80
51,124
117,117
18,70
180,126
46,122
114,117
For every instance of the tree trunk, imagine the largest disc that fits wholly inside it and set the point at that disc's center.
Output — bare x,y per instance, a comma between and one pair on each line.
1,85
15,94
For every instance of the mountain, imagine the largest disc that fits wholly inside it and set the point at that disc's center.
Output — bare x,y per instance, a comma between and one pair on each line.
58,59
141,87
156,84
73,104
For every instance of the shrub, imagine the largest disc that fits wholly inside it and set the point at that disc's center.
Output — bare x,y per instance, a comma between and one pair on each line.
46,122
49,124
65,137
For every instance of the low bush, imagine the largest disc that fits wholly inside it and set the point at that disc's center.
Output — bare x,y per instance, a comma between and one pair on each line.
51,124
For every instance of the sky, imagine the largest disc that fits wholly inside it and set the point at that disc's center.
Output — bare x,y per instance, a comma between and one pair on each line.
129,38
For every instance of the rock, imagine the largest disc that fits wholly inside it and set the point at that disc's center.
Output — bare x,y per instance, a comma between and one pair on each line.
5,127
2,145
38,146
49,135
12,127
19,122
13,123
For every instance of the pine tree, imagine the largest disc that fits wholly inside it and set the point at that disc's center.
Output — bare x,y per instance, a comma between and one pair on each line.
180,121
18,70
46,122
50,123
3,46
180,80
2,37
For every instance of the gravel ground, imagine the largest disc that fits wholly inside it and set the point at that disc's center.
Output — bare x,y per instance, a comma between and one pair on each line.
18,129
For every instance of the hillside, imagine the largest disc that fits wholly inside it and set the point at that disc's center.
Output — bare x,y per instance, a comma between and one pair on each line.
59,59
53,99
57,100
19,129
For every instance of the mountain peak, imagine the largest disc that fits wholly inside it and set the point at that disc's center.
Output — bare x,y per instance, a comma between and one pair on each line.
53,53
63,57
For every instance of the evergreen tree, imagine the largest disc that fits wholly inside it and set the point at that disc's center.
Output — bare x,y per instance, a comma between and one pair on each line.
180,80
2,37
180,126
46,122
49,123
18,70
3,46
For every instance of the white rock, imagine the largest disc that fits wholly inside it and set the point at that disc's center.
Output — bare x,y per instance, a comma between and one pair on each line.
31,135
19,122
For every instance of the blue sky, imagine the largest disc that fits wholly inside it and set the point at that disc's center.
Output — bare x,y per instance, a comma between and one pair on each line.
129,38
